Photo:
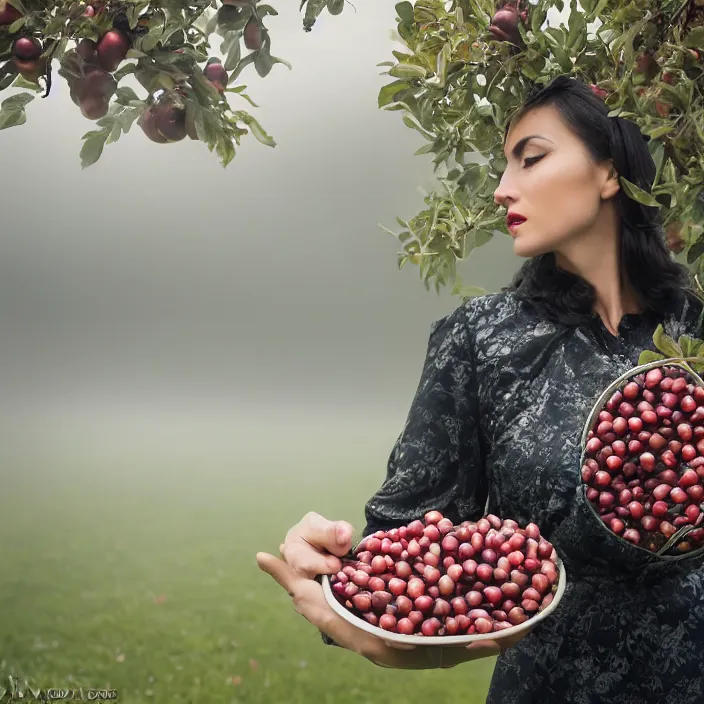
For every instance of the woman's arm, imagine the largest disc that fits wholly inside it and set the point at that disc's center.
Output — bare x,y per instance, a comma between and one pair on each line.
438,461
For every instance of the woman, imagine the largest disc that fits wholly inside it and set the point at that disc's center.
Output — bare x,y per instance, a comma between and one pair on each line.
508,383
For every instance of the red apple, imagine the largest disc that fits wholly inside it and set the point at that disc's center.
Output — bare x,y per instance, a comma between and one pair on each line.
216,74
164,123
253,36
8,13
112,49
27,49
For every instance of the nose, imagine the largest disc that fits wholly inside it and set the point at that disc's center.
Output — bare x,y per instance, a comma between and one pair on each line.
505,192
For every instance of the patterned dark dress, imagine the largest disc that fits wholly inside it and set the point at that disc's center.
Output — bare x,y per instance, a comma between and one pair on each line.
498,416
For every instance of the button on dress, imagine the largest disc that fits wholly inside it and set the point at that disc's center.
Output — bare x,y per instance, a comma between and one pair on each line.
495,426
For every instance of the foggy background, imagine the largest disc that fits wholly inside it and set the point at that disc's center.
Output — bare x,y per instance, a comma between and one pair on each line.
156,299
192,358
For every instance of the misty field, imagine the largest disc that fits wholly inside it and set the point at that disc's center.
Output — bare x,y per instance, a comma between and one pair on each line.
134,568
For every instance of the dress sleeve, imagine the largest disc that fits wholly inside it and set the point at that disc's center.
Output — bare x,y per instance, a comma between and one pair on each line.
437,462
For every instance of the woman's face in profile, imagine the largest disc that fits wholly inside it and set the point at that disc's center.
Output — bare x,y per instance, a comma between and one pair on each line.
552,182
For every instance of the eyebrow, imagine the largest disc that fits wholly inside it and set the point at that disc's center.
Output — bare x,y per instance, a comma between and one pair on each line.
517,151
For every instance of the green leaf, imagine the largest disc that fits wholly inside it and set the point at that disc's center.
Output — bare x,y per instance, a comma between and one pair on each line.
128,117
263,63
481,237
666,344
124,70
576,24
389,91
12,118
226,151
12,110
695,251
563,58
313,10
17,102
405,12
249,59
256,129
125,95
278,60
410,122
335,7
264,10
17,25
93,147
21,82
7,79
425,149
693,40
232,50
240,91
648,356
459,289
689,346
407,71
637,194
150,41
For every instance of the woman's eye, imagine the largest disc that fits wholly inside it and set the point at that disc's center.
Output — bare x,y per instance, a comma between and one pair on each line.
529,161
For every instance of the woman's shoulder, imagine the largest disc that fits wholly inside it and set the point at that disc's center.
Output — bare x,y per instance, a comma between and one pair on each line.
494,313
488,325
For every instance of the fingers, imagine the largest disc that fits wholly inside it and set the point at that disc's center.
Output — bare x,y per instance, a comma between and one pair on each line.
279,570
399,646
484,648
314,546
309,562
333,536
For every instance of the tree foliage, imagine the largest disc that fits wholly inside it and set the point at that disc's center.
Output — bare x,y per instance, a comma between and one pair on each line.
166,45
470,64
467,65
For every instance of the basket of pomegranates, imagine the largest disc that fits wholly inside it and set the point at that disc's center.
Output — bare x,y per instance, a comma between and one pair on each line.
642,461
432,582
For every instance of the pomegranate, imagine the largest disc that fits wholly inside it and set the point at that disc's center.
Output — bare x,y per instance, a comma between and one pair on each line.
429,593
647,484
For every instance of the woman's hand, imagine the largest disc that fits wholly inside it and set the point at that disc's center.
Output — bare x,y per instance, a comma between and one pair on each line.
309,601
314,546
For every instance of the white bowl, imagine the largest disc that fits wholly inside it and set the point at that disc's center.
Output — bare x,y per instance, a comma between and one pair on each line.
523,628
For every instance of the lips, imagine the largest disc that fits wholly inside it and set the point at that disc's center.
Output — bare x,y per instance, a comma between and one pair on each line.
513,220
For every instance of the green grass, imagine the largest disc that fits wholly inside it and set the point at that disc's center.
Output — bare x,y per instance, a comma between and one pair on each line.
90,540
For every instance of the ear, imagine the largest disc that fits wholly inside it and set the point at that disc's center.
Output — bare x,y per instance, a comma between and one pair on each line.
610,184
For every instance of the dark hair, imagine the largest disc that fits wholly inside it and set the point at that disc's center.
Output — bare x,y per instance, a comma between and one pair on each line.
658,280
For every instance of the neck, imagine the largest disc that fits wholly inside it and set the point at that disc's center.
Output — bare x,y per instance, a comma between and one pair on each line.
597,259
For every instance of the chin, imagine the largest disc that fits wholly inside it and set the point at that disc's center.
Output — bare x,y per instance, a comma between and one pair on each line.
527,249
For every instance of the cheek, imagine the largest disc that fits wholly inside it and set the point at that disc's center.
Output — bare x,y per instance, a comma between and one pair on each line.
563,201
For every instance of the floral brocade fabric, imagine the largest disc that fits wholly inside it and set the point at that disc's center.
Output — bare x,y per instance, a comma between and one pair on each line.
495,426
